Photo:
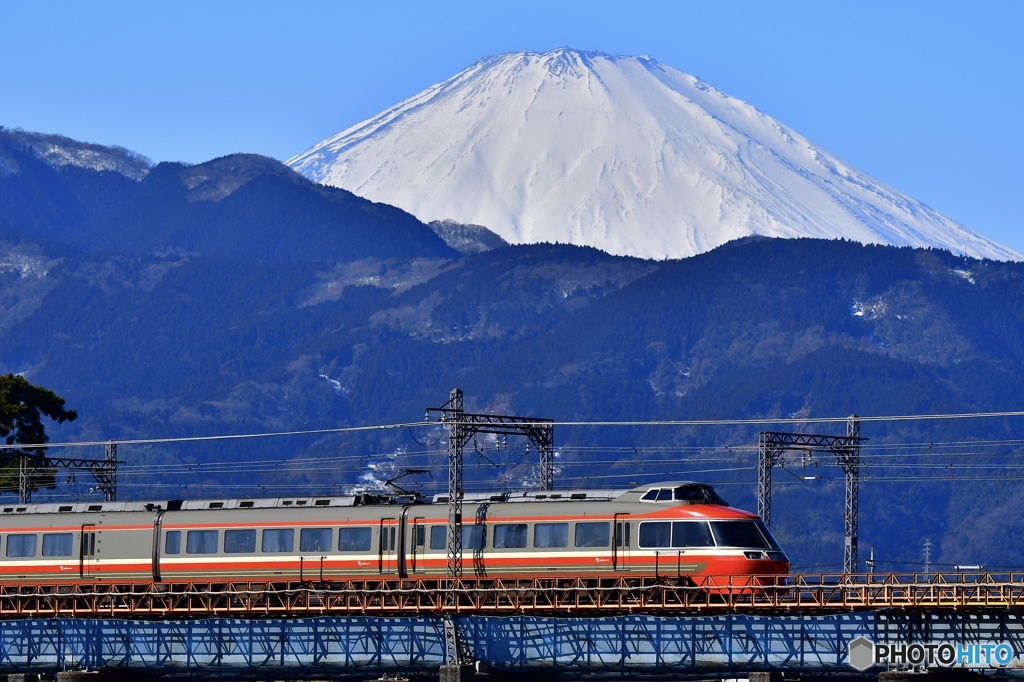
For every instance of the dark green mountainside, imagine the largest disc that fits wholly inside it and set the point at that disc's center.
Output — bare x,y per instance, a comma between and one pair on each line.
245,207
234,297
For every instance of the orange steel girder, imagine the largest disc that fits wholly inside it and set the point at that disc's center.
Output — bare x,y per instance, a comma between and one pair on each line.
552,596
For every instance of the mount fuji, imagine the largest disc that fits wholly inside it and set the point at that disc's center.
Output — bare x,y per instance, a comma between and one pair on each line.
620,153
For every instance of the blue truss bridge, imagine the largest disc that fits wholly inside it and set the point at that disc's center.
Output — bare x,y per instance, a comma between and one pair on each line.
719,629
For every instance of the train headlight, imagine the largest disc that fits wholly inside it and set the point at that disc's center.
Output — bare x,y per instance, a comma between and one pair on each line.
755,555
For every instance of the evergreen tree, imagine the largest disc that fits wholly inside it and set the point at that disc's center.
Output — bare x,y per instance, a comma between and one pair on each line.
22,406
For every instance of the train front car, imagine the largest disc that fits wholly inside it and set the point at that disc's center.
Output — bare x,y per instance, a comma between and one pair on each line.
677,532
685,532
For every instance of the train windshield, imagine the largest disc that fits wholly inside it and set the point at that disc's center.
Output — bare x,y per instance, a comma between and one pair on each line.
752,534
693,493
740,533
698,493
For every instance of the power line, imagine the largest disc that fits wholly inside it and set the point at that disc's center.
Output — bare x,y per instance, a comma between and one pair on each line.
793,420
195,439
602,424
329,463
987,456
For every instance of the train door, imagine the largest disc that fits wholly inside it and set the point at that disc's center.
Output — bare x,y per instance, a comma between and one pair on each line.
419,543
387,555
621,540
87,554
412,538
157,527
405,546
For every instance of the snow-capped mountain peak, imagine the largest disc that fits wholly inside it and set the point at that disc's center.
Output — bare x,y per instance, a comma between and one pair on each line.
622,153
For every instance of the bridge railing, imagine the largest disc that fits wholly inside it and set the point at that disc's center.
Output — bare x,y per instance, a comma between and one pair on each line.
818,593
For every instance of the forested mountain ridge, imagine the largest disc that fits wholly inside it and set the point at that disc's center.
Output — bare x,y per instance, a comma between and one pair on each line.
261,209
246,323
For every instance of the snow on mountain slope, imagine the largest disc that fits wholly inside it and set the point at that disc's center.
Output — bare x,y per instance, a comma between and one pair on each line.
59,151
621,153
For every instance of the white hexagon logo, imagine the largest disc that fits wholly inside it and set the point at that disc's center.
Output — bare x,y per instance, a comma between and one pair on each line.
861,653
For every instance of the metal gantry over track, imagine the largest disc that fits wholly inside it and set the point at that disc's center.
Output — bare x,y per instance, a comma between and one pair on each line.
462,426
772,445
103,470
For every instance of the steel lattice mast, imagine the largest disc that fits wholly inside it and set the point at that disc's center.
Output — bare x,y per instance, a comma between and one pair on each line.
846,449
849,460
103,470
462,426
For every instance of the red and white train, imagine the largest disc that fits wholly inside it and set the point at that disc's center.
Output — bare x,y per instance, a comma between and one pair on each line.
677,530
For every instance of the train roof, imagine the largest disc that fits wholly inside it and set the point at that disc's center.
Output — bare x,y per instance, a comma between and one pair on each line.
568,495
623,495
174,505
536,496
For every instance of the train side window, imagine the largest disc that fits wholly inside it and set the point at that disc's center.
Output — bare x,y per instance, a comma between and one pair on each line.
550,535
277,540
509,536
592,534
21,544
421,535
240,541
315,539
438,537
57,544
691,534
656,534
473,537
172,542
665,495
201,541
354,539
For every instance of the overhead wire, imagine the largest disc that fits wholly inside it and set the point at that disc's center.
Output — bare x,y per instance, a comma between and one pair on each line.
987,456
704,453
602,424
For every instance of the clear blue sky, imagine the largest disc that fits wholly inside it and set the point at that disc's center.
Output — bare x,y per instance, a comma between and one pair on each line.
927,96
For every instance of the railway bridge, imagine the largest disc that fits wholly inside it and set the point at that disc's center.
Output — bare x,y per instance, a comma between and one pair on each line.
722,627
